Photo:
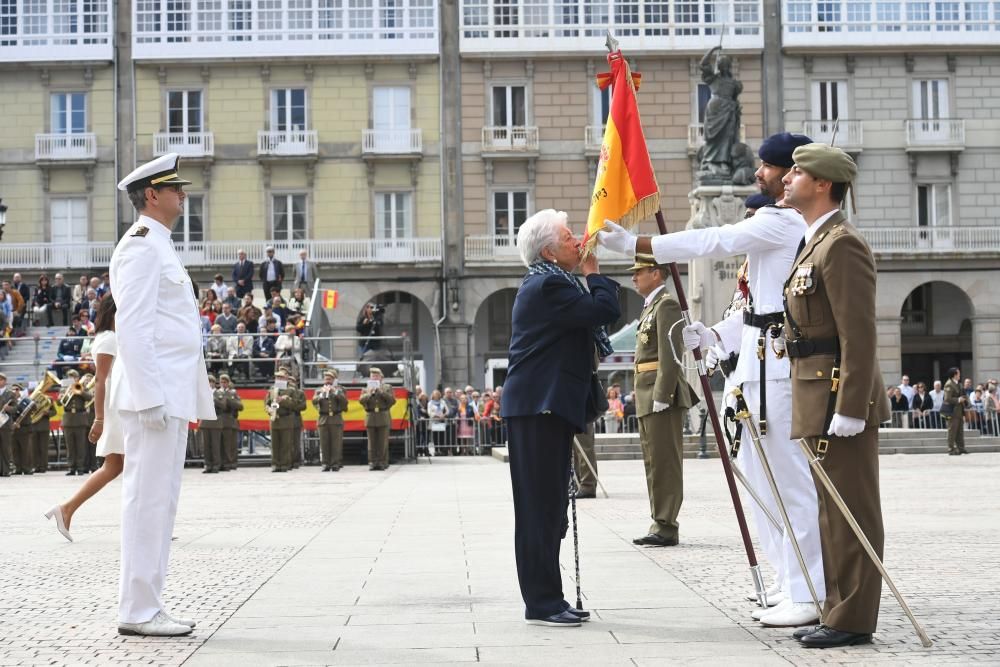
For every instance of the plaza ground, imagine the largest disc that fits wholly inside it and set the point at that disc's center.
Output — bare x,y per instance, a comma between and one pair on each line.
415,565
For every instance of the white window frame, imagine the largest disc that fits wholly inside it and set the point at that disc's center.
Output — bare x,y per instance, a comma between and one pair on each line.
275,93
511,234
68,129
934,192
288,235
183,224
509,102
379,212
396,120
697,110
185,108
921,89
597,116
84,234
835,89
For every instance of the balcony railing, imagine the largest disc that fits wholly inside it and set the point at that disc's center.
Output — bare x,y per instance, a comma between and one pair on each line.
287,142
920,240
593,137
185,144
931,134
503,249
194,30
850,133
504,139
50,30
55,147
846,23
579,25
392,142
18,256
696,136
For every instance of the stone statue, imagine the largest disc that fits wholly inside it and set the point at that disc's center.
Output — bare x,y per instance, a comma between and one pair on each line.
722,120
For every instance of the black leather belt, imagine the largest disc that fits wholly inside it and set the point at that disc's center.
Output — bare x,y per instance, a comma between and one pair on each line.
807,347
728,365
763,321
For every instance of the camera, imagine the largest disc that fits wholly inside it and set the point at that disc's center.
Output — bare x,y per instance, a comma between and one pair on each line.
378,309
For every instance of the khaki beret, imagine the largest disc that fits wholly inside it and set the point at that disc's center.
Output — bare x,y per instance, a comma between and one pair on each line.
73,373
826,162
331,373
643,261
225,376
375,370
211,378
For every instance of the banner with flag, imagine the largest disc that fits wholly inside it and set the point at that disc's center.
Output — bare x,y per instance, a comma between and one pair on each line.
330,298
625,190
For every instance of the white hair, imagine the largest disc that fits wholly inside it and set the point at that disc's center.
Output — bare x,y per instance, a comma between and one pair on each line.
539,232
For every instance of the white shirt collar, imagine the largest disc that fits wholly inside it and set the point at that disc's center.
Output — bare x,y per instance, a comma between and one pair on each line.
811,230
154,226
652,295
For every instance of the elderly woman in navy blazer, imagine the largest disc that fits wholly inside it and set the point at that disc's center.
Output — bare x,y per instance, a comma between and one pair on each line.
557,330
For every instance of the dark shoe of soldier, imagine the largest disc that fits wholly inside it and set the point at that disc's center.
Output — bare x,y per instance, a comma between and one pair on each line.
954,452
71,473
336,468
807,630
586,494
963,451
272,469
654,540
827,637
326,468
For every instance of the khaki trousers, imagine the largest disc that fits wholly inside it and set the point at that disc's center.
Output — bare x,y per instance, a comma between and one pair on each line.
24,459
40,449
331,444
76,447
230,452
6,451
378,445
853,584
211,447
956,431
588,482
660,434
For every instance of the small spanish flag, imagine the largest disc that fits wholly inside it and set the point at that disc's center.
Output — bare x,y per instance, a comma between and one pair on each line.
625,189
330,298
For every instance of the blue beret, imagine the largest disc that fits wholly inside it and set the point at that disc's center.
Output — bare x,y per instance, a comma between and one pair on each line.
758,201
777,149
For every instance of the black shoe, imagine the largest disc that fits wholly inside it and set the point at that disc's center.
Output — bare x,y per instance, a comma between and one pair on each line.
336,468
963,451
71,473
581,614
807,630
827,637
272,469
207,471
561,620
326,468
654,540
586,494
954,452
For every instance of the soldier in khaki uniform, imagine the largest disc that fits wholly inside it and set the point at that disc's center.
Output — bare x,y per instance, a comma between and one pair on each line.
837,397
210,431
330,401
298,398
280,402
953,395
24,460
377,399
41,434
76,423
8,403
662,398
230,424
90,458
587,477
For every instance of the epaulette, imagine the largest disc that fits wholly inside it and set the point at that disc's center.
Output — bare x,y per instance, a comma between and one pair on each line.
777,206
140,231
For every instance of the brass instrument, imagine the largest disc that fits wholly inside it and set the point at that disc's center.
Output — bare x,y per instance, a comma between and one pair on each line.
76,389
4,417
40,403
272,408
89,386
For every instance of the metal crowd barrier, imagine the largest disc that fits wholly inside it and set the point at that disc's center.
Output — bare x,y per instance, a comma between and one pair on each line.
457,436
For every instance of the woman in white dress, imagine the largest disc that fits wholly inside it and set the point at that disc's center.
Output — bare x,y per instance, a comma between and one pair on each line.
106,431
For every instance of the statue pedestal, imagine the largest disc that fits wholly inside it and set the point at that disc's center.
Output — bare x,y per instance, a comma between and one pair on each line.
711,282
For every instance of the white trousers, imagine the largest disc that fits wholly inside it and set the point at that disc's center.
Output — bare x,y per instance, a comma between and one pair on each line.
795,485
151,484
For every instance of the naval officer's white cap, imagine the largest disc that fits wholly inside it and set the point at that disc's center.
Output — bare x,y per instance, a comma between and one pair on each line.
156,173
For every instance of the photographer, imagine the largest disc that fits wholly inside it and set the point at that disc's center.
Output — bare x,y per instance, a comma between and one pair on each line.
370,326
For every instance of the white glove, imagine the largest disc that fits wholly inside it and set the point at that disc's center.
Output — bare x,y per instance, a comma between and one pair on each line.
617,239
778,344
697,334
712,357
845,427
660,407
154,418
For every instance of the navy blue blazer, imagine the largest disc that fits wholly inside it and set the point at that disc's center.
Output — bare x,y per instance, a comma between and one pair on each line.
552,345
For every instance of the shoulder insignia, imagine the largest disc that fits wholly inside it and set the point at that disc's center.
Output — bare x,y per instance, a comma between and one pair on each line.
141,230
776,206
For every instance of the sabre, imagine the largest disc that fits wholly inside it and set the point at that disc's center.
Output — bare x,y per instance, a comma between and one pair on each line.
743,412
817,468
760,503
590,466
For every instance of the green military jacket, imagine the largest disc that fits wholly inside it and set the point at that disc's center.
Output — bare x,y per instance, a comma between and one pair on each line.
300,399
330,408
376,404
219,400
7,396
42,425
952,396
666,383
231,412
286,410
76,413
830,293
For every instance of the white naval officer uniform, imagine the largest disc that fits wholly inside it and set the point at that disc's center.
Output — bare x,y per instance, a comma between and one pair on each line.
160,363
770,240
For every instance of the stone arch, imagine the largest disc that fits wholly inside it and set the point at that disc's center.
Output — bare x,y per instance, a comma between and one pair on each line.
936,331
491,331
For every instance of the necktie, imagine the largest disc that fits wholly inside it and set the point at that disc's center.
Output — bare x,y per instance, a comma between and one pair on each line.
303,272
802,245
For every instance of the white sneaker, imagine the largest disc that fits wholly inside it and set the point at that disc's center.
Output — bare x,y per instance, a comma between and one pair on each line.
758,613
791,615
773,590
180,621
158,626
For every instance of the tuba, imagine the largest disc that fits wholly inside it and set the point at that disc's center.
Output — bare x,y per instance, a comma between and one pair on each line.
39,401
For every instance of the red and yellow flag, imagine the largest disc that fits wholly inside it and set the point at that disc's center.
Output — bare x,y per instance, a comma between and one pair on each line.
625,189
330,298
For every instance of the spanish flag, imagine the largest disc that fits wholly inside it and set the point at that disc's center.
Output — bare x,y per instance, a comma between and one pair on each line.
330,298
625,190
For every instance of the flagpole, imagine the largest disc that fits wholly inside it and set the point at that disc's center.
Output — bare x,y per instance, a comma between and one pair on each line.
727,466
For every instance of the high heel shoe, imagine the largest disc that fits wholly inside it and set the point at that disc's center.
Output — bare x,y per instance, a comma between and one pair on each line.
57,513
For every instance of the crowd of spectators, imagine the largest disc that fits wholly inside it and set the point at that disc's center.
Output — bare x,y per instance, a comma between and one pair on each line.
914,406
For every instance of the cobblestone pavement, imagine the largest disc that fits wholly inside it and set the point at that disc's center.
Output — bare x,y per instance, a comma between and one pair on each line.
415,565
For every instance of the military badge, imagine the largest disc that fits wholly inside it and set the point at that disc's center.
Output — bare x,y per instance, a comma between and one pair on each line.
802,281
141,230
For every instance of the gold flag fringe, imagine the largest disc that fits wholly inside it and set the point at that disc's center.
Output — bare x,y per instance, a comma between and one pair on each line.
647,206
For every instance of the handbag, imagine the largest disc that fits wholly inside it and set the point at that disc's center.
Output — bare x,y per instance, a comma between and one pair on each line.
597,400
947,409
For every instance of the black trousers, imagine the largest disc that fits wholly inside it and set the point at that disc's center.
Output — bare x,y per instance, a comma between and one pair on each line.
539,448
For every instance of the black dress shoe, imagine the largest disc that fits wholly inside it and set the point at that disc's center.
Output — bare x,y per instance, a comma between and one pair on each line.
563,619
827,637
71,473
807,630
654,540
586,494
581,614
954,452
